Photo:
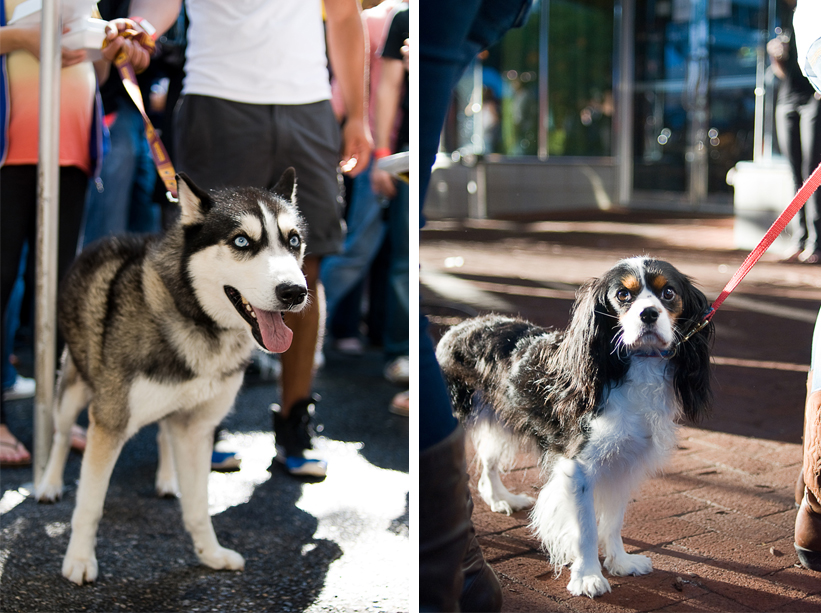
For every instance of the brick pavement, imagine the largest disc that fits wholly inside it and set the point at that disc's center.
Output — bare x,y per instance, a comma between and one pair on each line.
718,524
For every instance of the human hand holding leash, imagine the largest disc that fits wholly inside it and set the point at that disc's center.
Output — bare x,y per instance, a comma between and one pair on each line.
127,36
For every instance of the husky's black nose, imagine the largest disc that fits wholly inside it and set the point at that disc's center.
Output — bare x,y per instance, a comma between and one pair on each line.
649,315
291,294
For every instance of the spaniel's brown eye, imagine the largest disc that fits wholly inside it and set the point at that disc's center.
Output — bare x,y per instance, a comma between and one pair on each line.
623,295
668,293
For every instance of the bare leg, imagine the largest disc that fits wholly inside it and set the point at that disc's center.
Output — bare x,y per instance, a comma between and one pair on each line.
298,361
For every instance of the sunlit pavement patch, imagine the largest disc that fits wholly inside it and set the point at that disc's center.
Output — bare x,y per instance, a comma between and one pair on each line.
357,506
226,490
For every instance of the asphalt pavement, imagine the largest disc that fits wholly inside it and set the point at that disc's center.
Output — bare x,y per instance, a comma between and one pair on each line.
718,524
336,545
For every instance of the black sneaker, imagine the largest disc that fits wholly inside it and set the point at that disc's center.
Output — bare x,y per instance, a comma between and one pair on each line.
293,439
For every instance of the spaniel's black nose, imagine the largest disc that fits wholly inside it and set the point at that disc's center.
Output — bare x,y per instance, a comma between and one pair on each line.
649,315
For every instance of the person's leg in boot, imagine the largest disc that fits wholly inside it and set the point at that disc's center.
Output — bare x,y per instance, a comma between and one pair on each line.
454,33
453,574
481,591
293,419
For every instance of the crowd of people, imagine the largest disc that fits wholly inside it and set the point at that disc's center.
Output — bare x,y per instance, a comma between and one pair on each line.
234,108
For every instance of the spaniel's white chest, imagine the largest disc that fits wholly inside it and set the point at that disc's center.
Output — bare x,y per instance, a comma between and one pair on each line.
636,423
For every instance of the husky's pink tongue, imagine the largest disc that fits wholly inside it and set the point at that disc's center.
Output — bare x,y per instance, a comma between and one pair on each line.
276,336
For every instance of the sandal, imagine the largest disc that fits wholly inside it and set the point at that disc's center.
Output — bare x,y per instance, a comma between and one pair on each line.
12,452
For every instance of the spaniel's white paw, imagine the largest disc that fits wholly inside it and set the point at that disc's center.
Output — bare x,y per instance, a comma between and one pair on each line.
592,584
628,564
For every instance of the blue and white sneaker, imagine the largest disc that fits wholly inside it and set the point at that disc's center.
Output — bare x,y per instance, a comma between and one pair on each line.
294,436
23,387
225,461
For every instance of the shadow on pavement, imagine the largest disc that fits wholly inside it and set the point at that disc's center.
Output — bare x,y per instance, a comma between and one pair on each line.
146,558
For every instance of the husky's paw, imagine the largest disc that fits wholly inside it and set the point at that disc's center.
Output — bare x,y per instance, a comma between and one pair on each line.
223,559
80,570
628,564
167,489
49,492
592,584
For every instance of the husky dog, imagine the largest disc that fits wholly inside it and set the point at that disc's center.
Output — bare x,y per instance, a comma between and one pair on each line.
162,328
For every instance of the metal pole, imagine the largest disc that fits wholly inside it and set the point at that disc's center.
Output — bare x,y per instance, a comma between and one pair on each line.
48,189
625,19
477,100
544,87
697,83
760,91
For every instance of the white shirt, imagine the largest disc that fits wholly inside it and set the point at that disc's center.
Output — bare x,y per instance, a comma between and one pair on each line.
257,51
806,27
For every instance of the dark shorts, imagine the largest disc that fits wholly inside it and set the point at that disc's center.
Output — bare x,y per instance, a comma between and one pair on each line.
221,143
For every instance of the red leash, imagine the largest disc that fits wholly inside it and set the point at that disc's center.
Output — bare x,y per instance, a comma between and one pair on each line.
798,201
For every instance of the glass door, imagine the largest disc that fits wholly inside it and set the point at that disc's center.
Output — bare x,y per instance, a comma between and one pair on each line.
694,104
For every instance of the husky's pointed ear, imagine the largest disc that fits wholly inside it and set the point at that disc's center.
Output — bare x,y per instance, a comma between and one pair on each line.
194,202
286,186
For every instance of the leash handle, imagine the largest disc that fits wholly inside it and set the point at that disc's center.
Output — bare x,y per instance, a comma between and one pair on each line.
129,78
798,201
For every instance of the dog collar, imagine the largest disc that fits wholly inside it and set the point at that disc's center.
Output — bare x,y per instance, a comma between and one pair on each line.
653,354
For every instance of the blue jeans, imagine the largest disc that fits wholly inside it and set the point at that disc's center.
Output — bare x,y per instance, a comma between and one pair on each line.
397,308
128,176
366,231
454,32
12,322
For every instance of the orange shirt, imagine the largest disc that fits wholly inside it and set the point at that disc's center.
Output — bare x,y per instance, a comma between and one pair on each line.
77,90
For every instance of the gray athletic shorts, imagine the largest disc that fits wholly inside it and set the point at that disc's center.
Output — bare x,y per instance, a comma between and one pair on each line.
221,143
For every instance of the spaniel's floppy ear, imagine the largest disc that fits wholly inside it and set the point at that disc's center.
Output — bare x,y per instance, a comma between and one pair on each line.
692,358
585,363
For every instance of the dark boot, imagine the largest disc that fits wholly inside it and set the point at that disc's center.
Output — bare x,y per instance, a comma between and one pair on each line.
444,527
799,488
481,592
808,532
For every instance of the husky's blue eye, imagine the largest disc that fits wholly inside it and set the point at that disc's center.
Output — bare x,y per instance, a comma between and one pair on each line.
241,242
295,242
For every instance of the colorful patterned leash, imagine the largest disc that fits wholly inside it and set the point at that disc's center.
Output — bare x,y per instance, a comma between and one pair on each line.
798,201
158,153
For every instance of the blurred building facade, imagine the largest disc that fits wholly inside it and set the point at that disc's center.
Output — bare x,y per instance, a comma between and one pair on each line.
599,103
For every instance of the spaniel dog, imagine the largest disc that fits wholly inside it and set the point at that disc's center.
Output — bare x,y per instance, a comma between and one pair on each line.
598,402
